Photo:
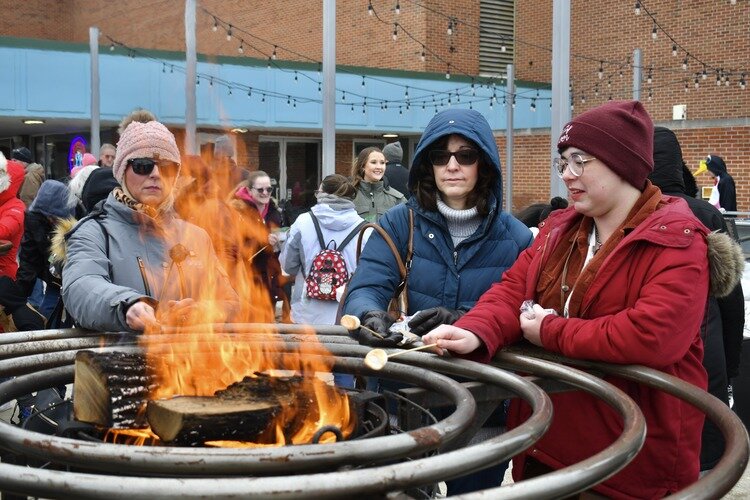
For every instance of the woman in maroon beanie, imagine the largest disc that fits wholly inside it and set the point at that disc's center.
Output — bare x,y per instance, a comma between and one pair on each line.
617,266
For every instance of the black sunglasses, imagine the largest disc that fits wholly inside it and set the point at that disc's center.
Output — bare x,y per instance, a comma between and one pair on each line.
264,190
441,157
144,166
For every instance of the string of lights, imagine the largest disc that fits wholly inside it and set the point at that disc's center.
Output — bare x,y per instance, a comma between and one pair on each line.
722,75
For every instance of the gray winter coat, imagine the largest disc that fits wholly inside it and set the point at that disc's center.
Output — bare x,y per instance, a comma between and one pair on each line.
103,273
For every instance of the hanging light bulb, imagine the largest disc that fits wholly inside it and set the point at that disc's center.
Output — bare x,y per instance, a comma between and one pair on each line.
654,33
363,80
674,49
609,83
241,48
423,56
215,27
583,98
685,63
268,65
395,31
687,87
263,98
596,90
319,87
111,47
621,73
294,103
696,82
533,105
369,8
705,74
650,94
229,32
273,54
600,73
733,2
406,92
211,82
610,97
288,100
229,90
250,92
197,80
448,72
650,77
637,8
398,8
450,27
296,79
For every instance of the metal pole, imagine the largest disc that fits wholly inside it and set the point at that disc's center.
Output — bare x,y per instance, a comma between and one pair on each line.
94,50
560,86
191,60
329,87
637,74
511,99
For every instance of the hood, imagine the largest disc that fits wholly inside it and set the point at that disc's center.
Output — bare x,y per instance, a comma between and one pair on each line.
336,220
468,123
726,263
58,244
667,174
52,200
715,164
11,178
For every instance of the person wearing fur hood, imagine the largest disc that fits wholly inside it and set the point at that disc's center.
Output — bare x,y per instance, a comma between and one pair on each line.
133,263
622,276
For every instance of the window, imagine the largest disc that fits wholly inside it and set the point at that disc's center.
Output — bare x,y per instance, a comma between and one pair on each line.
496,22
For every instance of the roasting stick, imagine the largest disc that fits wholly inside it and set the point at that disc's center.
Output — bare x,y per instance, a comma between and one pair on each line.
256,253
352,323
377,358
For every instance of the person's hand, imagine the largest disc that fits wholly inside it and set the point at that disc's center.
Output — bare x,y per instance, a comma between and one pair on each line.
452,338
426,320
273,238
140,315
531,324
374,330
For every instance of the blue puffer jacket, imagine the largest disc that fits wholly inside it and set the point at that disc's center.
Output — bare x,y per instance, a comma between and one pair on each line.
441,275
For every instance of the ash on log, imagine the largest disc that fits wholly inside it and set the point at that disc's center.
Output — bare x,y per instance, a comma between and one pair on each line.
111,389
244,411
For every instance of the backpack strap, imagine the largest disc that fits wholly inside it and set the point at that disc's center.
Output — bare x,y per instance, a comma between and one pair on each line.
316,223
351,235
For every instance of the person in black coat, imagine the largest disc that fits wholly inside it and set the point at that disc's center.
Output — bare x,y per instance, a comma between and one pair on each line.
50,205
396,173
725,320
725,185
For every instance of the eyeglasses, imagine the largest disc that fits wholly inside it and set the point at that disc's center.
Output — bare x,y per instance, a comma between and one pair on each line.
576,163
144,166
441,157
264,190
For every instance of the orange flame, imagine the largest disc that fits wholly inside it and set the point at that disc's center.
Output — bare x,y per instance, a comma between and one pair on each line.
203,359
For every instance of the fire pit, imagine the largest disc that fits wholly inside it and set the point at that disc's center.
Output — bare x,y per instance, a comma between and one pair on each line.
415,454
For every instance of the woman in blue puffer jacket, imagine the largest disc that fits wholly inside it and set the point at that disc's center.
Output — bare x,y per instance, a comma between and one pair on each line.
463,243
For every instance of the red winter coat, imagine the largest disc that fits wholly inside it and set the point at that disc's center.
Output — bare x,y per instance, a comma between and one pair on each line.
11,213
645,307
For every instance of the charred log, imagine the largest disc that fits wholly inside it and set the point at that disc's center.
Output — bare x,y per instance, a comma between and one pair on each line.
245,411
111,389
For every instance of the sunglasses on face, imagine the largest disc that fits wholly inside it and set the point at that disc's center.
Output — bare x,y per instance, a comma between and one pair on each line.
264,190
144,166
441,157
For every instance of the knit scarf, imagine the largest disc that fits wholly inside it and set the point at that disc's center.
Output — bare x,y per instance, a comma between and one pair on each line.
337,203
571,252
461,223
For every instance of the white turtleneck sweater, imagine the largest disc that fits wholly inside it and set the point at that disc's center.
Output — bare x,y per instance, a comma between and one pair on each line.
461,223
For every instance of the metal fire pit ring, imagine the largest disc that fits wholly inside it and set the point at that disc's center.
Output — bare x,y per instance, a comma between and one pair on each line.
220,461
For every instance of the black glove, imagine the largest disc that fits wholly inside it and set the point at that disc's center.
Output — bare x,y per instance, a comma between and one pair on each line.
428,319
379,322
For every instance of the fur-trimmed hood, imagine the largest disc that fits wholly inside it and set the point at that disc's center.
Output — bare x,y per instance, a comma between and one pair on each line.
58,245
726,263
11,178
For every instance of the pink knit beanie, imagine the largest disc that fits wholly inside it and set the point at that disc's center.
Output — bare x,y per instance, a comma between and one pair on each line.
618,133
88,159
144,140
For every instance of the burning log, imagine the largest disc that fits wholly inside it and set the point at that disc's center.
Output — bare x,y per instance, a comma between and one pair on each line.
244,411
111,389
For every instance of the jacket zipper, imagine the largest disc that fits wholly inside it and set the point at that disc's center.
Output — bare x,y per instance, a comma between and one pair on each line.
142,267
455,258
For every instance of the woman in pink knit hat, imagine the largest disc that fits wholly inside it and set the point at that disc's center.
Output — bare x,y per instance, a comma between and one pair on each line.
609,278
132,263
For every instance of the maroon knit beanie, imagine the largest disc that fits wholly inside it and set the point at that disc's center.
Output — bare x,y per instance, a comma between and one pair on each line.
618,133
